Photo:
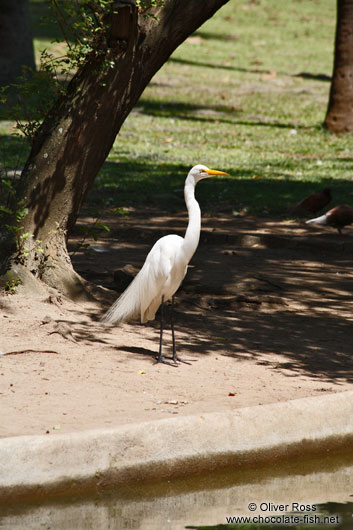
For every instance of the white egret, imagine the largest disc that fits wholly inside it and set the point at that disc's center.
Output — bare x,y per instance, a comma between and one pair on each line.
164,268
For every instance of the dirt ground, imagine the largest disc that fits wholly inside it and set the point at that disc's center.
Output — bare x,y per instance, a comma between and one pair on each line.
266,312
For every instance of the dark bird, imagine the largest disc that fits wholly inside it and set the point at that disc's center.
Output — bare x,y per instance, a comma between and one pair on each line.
337,217
313,203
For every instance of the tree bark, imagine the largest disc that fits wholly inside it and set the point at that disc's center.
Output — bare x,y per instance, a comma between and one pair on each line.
339,117
77,135
16,46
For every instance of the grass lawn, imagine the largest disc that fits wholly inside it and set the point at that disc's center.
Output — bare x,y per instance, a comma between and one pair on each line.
247,93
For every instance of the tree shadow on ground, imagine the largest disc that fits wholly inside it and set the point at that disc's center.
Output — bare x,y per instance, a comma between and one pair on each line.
307,320
291,299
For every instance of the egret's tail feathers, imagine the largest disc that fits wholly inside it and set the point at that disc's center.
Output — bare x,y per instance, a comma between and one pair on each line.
322,220
127,306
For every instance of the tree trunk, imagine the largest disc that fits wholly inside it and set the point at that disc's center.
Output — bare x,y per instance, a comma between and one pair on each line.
339,117
78,133
16,46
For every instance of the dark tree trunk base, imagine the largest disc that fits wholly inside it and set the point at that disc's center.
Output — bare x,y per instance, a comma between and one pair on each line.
56,279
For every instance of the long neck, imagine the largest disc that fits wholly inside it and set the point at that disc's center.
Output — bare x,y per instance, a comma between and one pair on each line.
192,234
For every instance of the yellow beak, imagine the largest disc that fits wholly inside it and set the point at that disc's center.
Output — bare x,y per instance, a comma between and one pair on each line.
215,172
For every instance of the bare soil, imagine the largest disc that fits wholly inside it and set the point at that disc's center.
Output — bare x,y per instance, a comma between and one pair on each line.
266,312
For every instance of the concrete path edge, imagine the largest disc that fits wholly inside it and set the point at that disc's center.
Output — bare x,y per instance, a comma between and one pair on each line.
40,466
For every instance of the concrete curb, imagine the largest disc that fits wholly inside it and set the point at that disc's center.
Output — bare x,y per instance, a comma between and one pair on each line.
32,466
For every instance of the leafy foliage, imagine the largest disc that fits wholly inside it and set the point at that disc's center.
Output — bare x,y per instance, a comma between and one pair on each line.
15,211
31,98
85,27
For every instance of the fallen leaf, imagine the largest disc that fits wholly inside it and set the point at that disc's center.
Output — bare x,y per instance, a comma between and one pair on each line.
231,394
142,372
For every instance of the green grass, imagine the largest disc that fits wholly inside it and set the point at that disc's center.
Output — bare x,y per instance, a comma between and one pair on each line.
247,93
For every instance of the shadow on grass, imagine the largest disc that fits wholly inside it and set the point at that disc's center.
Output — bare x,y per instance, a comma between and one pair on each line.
213,113
192,112
219,66
152,184
160,185
211,35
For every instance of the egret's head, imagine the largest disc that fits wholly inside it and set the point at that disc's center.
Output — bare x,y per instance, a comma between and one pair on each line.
200,172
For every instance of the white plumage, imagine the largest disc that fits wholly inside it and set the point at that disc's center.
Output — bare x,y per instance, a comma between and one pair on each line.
165,265
322,220
161,275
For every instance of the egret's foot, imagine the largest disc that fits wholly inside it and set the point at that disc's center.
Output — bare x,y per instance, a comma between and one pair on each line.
164,361
176,358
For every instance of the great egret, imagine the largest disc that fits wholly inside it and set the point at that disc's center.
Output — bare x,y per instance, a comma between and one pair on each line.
164,268
337,217
313,203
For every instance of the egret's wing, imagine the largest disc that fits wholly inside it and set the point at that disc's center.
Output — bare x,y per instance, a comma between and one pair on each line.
157,274
144,294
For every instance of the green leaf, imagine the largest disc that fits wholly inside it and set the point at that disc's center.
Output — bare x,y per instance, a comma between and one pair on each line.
4,209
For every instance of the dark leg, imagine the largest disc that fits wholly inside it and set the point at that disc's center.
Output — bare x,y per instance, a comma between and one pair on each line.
172,326
160,358
175,357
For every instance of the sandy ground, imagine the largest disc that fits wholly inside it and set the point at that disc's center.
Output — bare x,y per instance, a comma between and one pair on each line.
265,311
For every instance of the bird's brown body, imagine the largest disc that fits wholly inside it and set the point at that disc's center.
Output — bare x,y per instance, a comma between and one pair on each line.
313,203
337,217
